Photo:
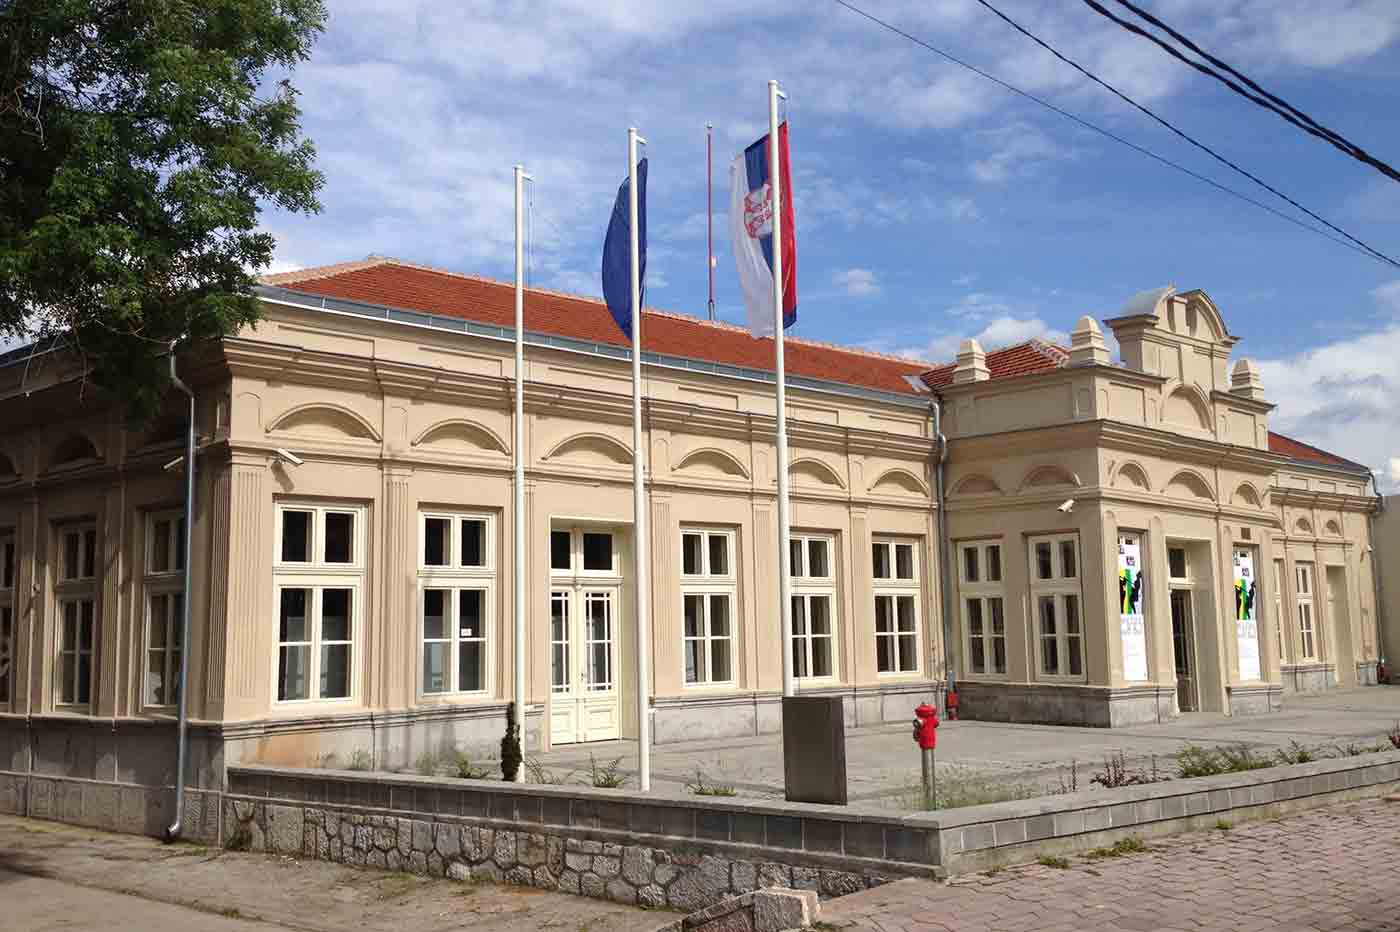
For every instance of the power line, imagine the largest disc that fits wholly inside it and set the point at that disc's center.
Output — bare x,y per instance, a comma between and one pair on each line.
1108,134
1263,98
1182,133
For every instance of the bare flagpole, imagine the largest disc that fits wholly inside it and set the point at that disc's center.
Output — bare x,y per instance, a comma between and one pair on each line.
639,514
519,646
710,212
784,518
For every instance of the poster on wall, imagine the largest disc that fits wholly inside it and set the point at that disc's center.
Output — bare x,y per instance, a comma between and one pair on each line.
1246,615
1130,595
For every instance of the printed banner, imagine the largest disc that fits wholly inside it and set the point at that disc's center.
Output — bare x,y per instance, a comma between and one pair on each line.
1246,615
1130,595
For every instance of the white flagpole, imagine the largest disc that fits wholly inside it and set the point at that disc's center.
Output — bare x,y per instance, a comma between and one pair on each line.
519,647
639,515
784,518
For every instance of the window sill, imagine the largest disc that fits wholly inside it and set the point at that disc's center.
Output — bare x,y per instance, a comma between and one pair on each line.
724,686
901,675
475,697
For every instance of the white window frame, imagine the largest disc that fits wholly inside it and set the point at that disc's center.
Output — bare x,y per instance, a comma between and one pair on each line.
1060,589
1280,620
805,589
984,591
9,572
78,589
454,579
317,576
896,588
163,581
706,586
576,571
1305,582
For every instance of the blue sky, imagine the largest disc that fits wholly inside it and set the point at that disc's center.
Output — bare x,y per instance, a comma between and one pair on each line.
931,204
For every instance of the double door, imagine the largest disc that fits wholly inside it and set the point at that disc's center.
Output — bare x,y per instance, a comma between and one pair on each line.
583,625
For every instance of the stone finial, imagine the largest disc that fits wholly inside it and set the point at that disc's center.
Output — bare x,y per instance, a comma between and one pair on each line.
1245,380
972,364
1086,344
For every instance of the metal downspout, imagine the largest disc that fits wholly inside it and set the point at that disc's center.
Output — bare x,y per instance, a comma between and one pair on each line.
945,591
1378,587
173,831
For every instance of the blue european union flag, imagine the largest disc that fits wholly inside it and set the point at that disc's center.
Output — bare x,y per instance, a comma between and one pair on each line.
617,249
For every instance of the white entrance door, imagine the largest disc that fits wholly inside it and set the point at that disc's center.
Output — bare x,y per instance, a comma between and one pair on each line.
583,636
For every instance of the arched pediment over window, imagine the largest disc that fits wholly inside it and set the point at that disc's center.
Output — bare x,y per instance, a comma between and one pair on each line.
1047,477
1187,484
1132,476
591,449
322,419
977,484
1303,526
813,472
1246,494
1185,407
72,449
1333,528
462,434
899,482
712,462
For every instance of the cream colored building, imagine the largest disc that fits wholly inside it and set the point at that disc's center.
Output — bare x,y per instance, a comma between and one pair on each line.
353,536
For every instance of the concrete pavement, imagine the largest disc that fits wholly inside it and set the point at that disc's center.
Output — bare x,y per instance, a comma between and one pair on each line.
1328,870
56,877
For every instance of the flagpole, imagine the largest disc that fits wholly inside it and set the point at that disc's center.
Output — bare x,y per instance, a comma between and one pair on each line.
519,646
784,518
639,515
710,212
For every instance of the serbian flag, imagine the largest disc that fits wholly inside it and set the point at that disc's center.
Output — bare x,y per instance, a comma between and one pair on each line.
617,251
751,232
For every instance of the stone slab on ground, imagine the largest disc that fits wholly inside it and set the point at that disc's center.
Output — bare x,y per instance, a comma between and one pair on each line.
1327,870
83,880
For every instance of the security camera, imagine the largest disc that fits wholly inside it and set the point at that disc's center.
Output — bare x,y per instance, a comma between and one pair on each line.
1068,506
174,464
287,456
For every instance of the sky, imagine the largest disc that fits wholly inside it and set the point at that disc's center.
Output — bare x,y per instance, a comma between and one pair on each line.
931,205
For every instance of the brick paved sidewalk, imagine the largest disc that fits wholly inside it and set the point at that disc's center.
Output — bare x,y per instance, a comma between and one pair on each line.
1330,870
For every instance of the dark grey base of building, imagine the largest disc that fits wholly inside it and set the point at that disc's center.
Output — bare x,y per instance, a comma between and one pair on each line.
1255,698
1045,704
1308,677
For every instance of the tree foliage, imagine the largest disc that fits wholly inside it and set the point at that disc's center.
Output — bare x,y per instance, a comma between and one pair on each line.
138,141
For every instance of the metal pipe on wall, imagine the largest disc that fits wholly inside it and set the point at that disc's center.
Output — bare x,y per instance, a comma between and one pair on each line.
945,592
172,832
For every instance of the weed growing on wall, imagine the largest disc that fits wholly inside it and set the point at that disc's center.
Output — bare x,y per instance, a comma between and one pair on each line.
510,747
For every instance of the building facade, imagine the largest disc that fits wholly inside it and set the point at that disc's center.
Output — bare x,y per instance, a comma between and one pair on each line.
1125,541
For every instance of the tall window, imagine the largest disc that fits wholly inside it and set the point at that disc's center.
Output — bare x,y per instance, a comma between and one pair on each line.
1307,636
896,580
1055,597
983,607
76,605
708,584
165,603
1279,621
319,576
813,606
7,617
457,580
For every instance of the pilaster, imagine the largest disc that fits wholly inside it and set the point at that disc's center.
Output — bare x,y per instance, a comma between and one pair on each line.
393,635
859,631
666,674
250,619
109,664
214,590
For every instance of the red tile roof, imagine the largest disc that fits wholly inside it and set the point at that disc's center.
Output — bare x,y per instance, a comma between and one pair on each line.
1297,450
391,283
1020,359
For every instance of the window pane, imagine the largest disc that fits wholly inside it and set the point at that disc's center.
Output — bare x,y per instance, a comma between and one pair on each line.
1176,562
880,557
158,615
70,555
435,667
908,653
471,669
691,554
335,614
340,534
884,654
974,618
1044,568
799,656
994,563
471,614
692,609
818,566
84,678
473,542
1047,615
70,626
795,566
719,555
904,605
904,561
154,692
599,619
1069,568
1072,614
7,565
600,675
719,616
437,535
335,671
68,671
160,547
178,545
694,661
821,656
85,625
296,536
979,655
89,552
292,616
559,637
821,614
434,614
597,551
720,671
882,614
291,672
970,564
560,550
998,617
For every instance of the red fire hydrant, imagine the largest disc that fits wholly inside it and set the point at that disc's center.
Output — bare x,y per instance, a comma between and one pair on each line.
952,702
926,736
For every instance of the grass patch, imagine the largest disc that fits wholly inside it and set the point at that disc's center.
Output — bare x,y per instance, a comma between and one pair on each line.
1120,848
1053,860
1196,761
959,786
702,788
1223,825
231,912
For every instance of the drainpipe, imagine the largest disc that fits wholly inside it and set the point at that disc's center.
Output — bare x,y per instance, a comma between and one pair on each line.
945,591
1376,564
173,831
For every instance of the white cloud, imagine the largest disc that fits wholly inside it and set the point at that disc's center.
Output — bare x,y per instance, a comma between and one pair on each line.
999,332
1013,151
856,282
1341,396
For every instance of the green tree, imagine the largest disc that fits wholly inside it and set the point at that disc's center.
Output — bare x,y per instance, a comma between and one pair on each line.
138,141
